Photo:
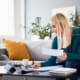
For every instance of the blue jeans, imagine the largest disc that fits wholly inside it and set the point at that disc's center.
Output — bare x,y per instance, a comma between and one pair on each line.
73,64
70,64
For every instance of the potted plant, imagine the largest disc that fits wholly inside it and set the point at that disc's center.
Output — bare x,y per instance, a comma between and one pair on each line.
38,29
75,20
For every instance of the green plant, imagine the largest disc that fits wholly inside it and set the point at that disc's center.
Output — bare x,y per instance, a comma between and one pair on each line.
38,29
75,20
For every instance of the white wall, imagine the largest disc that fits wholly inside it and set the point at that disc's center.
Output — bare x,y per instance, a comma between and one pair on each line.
36,8
43,8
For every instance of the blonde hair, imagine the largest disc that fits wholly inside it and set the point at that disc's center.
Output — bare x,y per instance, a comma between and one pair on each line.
66,30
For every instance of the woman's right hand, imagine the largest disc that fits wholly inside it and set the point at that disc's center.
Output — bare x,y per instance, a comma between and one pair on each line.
35,65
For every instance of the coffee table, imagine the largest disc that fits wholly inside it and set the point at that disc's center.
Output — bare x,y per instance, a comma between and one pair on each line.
41,75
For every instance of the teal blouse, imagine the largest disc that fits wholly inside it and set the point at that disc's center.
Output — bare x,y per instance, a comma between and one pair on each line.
73,51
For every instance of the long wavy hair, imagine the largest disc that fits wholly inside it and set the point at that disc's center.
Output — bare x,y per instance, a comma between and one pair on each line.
65,28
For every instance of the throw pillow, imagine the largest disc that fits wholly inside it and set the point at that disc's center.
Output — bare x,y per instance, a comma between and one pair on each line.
16,50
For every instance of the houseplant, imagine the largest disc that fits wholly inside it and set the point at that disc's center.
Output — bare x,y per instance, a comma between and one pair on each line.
75,20
38,29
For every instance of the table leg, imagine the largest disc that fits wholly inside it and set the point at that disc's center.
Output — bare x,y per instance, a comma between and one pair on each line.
25,78
0,77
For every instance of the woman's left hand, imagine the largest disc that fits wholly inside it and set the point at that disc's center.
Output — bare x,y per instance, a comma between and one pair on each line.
62,57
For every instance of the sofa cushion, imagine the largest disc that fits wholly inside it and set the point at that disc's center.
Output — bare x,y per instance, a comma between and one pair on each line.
35,48
16,50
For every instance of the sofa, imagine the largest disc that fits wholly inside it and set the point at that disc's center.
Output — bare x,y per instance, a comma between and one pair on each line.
34,50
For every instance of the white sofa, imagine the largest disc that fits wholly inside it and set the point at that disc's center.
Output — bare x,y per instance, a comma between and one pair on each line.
34,47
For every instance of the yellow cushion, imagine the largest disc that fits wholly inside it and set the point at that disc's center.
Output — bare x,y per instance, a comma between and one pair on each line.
16,50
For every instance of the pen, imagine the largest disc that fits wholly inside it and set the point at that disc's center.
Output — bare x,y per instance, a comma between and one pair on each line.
23,71
32,62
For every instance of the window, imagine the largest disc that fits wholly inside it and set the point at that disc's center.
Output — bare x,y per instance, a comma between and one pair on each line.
6,17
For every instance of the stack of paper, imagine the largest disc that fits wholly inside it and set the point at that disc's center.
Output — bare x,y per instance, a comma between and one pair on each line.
52,52
63,71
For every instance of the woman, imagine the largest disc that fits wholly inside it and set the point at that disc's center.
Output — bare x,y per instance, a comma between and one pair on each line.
67,39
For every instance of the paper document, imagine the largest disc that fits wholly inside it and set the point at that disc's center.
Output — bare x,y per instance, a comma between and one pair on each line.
43,68
52,52
3,70
47,68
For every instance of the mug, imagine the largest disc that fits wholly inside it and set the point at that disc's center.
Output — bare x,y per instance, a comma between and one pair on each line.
25,62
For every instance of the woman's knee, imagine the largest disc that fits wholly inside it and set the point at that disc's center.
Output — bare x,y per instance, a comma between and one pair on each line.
72,64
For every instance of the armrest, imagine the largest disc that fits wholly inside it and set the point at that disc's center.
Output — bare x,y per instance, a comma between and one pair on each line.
3,51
